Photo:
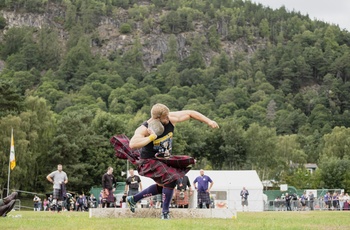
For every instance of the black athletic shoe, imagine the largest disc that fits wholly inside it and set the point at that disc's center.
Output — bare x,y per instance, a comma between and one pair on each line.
165,216
131,203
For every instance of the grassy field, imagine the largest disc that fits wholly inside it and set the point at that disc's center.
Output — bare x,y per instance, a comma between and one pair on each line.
248,220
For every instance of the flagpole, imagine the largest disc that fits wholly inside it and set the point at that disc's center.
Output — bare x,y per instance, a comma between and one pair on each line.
8,179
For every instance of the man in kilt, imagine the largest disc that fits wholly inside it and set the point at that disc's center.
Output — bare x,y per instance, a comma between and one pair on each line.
244,198
203,189
181,193
59,179
109,183
151,153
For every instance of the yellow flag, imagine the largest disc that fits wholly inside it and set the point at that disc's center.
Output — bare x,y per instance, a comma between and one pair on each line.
12,153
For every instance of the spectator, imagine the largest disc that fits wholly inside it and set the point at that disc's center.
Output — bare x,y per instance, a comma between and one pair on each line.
303,200
244,198
70,202
133,184
92,201
85,202
295,202
203,189
36,200
182,192
40,204
327,200
341,201
335,201
346,202
49,204
277,203
100,199
59,179
288,199
109,183
311,200
46,204
123,201
80,203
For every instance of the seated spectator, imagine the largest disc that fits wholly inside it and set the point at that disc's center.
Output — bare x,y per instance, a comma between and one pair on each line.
80,203
36,200
303,200
346,202
45,203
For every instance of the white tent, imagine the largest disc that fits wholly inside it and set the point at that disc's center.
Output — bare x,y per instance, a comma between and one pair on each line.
227,187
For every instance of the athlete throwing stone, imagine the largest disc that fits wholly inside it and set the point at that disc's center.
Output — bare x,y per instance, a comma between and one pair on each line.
155,160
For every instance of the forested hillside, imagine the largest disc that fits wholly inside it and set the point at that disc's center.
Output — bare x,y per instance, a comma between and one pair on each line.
76,72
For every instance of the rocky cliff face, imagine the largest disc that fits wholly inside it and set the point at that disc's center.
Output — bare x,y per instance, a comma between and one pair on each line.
154,44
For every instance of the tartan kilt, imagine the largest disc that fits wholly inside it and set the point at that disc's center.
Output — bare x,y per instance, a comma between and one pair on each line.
178,200
107,196
178,161
203,197
244,202
122,149
161,172
56,194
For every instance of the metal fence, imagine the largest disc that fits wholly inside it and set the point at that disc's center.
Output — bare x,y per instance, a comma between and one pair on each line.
296,205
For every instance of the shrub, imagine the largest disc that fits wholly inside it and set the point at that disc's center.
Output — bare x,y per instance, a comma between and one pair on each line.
2,23
125,28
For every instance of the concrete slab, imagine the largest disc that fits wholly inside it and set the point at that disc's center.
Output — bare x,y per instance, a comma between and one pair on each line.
175,213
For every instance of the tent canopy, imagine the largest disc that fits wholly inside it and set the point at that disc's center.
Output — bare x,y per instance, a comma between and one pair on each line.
223,179
229,183
229,179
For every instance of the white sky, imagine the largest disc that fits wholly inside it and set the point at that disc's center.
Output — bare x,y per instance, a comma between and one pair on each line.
331,11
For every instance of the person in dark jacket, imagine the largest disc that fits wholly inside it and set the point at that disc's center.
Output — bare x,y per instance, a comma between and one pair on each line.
109,184
288,199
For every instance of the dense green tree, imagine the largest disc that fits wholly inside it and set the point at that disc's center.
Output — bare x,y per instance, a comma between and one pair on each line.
49,89
14,40
33,133
320,116
172,55
300,178
79,58
70,16
214,39
191,76
73,145
264,28
49,49
260,144
131,62
331,168
289,151
2,23
10,99
97,89
336,143
7,124
195,59
232,149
